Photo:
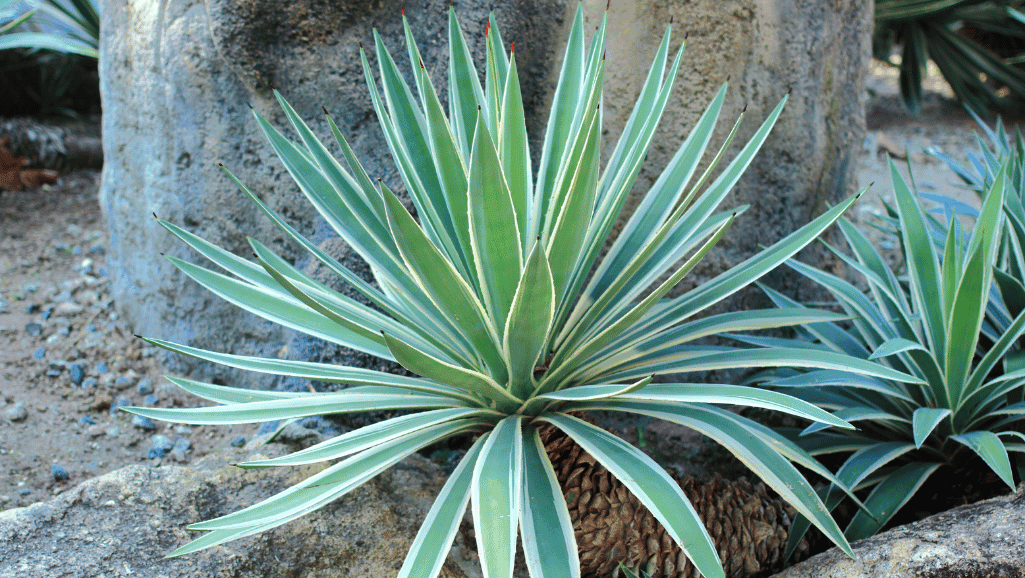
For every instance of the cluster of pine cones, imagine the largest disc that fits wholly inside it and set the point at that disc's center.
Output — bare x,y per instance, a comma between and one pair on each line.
748,525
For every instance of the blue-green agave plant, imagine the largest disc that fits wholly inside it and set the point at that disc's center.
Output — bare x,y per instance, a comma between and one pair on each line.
501,304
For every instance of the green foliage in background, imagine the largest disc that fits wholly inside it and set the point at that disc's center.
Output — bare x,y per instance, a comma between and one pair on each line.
929,323
68,26
978,46
499,303
48,53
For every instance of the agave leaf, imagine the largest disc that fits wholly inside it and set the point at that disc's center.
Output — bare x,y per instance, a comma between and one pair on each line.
923,269
434,539
741,275
549,544
567,365
663,196
330,484
679,394
514,149
924,421
889,496
530,320
443,283
841,378
762,459
564,108
496,493
895,345
652,486
358,226
286,311
408,144
226,394
464,91
316,371
493,228
989,447
473,382
775,357
316,404
374,434
449,163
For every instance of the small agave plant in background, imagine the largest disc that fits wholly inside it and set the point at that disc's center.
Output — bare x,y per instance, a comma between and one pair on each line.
491,302
927,324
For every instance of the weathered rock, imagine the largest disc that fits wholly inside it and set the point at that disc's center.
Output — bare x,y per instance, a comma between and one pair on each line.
983,540
124,523
178,81
817,50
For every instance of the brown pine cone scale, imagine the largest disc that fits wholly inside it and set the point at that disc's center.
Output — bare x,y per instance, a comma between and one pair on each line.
748,525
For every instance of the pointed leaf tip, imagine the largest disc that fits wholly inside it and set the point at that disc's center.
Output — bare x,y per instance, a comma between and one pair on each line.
324,108
671,19
686,35
155,216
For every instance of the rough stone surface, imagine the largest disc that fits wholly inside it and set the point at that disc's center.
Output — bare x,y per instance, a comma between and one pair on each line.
819,50
983,540
124,523
178,80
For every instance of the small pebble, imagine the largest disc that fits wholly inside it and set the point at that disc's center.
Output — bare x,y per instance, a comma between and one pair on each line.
123,383
32,309
160,445
97,250
87,420
45,316
101,368
112,431
39,353
77,373
58,364
16,412
68,308
76,250
143,423
150,400
95,431
25,492
31,287
117,405
238,442
182,429
89,382
34,329
145,387
59,473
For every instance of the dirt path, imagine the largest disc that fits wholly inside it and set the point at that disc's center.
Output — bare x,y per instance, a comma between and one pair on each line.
66,358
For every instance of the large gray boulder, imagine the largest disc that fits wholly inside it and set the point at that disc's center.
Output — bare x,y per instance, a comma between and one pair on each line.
177,81
983,540
124,524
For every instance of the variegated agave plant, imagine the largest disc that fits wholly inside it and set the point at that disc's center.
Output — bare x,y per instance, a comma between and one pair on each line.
490,301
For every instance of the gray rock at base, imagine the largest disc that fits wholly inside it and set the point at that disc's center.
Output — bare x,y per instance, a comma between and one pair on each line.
983,540
124,523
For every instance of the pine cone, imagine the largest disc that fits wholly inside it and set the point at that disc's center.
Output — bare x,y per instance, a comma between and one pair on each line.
748,525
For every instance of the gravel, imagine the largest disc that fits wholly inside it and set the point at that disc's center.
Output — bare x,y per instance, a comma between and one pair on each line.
16,412
143,423
59,473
